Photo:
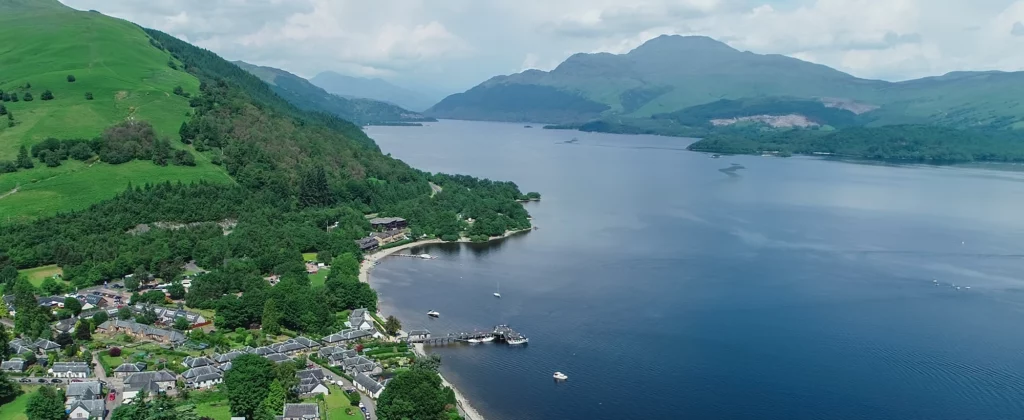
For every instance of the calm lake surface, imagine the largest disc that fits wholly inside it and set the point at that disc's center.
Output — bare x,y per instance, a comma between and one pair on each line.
666,287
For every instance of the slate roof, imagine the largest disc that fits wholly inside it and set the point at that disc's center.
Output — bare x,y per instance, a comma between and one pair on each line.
287,346
226,357
301,411
199,371
143,378
226,366
20,346
94,300
317,374
329,350
213,376
96,408
70,367
278,358
137,328
46,345
306,342
346,335
84,390
264,351
368,383
130,367
194,362
16,364
65,325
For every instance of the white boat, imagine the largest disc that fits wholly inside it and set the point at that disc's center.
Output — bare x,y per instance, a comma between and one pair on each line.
517,341
425,256
473,341
487,339
559,376
434,314
497,291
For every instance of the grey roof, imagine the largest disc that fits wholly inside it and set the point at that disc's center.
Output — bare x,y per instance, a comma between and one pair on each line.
96,408
357,313
194,362
359,363
368,383
226,357
306,342
65,325
367,243
385,220
137,328
213,376
329,350
301,410
15,364
225,366
278,358
130,367
287,346
317,374
346,335
70,367
306,385
93,299
199,371
143,378
388,234
264,351
84,390
46,345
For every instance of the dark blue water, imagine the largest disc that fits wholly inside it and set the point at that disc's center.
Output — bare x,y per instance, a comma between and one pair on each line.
666,288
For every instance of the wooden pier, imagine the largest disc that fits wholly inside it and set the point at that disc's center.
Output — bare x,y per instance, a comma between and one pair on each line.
502,333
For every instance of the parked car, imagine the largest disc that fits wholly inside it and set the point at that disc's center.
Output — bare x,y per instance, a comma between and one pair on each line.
112,396
55,381
41,380
25,380
76,380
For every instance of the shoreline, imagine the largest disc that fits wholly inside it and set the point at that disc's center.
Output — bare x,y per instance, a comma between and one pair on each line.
366,266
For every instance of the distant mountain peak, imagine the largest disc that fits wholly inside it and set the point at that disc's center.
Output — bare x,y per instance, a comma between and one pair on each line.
681,44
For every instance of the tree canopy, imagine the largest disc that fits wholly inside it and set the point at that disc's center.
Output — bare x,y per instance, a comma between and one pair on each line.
248,383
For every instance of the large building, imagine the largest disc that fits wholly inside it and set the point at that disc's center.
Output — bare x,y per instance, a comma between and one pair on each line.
388,223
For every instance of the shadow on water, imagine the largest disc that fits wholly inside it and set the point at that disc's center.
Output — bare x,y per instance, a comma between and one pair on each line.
732,170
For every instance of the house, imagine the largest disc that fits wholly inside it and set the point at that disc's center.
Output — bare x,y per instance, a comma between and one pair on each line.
141,331
128,368
226,357
360,319
278,358
82,391
52,302
263,351
16,364
70,370
203,377
308,343
20,346
288,347
87,409
42,346
368,243
348,335
368,385
359,364
388,223
312,268
301,412
151,382
194,362
96,301
387,237
311,382
65,325
167,316
418,335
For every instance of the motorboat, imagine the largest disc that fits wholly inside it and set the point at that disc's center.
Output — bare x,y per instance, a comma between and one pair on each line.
559,376
517,340
487,339
473,341
497,290
434,314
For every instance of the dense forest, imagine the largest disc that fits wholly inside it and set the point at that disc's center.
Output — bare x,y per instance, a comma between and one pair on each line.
305,182
918,143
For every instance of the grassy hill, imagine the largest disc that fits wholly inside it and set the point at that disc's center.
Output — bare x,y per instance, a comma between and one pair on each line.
305,95
671,73
127,77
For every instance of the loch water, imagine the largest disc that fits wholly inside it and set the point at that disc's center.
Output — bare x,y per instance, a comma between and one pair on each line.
672,285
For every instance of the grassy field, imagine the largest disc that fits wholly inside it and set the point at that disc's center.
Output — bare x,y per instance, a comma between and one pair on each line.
319,278
336,404
128,77
38,274
308,256
15,410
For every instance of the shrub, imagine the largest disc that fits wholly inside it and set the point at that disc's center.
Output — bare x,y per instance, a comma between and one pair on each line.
71,78
28,97
353,398
88,96
184,158
114,352
47,95
3,110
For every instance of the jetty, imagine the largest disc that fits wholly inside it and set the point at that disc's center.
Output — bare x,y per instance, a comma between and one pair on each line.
502,333
420,256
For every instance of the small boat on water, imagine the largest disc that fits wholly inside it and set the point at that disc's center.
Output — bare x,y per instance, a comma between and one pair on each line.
487,339
434,314
497,291
515,341
559,376
425,256
474,341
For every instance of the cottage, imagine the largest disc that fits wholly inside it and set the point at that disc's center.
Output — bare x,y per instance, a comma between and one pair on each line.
204,377
19,346
65,325
226,357
368,243
151,382
126,369
96,301
70,370
388,223
42,346
141,331
16,364
167,316
310,382
278,358
87,409
301,412
307,343
288,347
359,364
194,362
264,351
82,391
360,319
368,385
418,335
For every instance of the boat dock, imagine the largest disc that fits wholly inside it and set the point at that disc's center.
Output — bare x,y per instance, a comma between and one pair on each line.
502,333
420,256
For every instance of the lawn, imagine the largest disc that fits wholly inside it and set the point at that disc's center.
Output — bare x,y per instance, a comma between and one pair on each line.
15,410
319,278
113,60
336,403
38,274
308,256
216,410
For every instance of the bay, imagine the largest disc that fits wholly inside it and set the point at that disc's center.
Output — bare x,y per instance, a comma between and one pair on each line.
669,284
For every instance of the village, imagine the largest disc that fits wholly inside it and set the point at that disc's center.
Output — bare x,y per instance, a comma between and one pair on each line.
127,350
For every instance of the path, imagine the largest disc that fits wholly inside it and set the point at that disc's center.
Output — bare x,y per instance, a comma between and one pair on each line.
9,193
371,405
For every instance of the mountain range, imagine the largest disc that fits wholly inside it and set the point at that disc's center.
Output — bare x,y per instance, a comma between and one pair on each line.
305,95
670,74
374,88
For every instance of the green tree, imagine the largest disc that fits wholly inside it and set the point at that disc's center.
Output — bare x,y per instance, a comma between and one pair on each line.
148,317
52,287
47,95
5,340
274,402
161,152
3,110
313,188
392,325
82,331
271,321
176,291
9,390
179,91
88,96
412,394
134,282
23,161
124,314
182,324
73,305
64,339
46,404
71,78
100,317
248,383
354,398
27,97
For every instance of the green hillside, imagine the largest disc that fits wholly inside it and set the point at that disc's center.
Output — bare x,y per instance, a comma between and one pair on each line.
670,73
305,95
128,79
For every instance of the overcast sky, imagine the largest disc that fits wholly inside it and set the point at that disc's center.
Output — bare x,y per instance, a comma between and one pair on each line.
450,45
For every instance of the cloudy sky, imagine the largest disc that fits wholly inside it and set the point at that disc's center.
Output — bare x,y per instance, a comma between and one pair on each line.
450,45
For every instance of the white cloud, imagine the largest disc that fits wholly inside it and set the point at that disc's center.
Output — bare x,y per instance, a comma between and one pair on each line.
454,44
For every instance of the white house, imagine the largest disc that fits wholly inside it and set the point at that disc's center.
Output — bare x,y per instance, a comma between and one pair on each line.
69,370
368,385
151,382
203,377
87,409
311,382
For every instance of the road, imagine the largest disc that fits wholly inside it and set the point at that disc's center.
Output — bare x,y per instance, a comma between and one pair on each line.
115,384
371,405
